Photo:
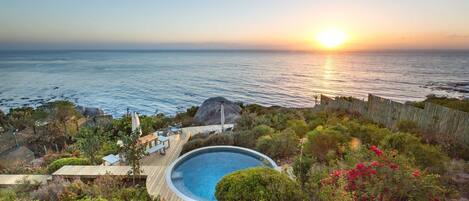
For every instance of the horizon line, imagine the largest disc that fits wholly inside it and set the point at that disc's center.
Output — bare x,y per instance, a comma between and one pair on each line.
237,50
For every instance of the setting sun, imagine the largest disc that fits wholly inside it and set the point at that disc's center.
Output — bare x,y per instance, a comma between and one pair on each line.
331,38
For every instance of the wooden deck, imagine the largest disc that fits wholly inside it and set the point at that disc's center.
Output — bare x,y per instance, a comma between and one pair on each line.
154,166
93,171
14,179
156,183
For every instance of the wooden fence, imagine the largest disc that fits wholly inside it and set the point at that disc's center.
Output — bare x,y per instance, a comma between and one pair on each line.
434,118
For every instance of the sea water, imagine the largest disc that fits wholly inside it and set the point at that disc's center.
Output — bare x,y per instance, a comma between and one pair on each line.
170,81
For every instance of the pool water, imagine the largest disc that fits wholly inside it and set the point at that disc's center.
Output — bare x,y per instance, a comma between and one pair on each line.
198,176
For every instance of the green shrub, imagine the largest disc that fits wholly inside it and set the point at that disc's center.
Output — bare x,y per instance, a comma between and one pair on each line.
301,166
368,133
262,130
299,126
212,140
279,145
248,138
7,194
219,139
245,121
316,120
277,118
191,145
322,142
146,124
454,103
57,164
244,138
185,118
258,184
133,193
408,126
51,156
88,198
105,187
426,156
264,144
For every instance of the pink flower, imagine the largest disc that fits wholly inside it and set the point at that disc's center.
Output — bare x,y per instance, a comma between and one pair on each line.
416,173
336,173
393,166
360,166
374,164
376,150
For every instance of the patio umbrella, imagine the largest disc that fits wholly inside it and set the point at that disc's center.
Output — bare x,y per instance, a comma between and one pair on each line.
222,116
136,123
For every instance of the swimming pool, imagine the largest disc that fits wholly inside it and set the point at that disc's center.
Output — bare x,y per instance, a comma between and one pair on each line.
194,175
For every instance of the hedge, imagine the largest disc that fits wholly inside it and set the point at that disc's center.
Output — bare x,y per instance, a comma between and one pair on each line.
258,184
211,140
57,164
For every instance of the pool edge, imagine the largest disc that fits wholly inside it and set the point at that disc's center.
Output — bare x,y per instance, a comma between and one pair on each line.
170,168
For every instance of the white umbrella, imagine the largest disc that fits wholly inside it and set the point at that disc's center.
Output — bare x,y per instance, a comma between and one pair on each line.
222,116
136,123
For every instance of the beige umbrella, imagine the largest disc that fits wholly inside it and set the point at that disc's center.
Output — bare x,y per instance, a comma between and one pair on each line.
136,123
222,116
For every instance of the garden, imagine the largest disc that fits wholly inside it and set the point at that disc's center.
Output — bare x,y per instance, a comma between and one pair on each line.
72,139
324,156
337,156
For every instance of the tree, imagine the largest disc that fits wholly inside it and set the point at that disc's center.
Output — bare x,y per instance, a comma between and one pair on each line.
63,112
133,151
89,143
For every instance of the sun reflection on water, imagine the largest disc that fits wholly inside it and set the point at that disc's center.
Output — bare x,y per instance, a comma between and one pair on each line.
328,74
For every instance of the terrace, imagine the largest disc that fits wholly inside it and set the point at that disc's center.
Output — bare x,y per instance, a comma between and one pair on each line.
154,166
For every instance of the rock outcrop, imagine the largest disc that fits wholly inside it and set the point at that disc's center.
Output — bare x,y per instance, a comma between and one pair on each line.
209,112
90,111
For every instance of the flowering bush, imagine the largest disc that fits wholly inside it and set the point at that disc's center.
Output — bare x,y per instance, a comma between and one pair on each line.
426,156
387,176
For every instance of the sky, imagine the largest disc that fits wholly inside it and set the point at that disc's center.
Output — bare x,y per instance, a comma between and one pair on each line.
232,24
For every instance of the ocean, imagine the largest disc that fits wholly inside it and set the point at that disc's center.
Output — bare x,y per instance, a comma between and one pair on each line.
170,81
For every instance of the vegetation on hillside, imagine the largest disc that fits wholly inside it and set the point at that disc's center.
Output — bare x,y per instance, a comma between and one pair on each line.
104,188
333,156
458,104
341,156
258,184
84,143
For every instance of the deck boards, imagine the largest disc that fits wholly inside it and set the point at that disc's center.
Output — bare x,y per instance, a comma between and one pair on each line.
154,166
156,183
